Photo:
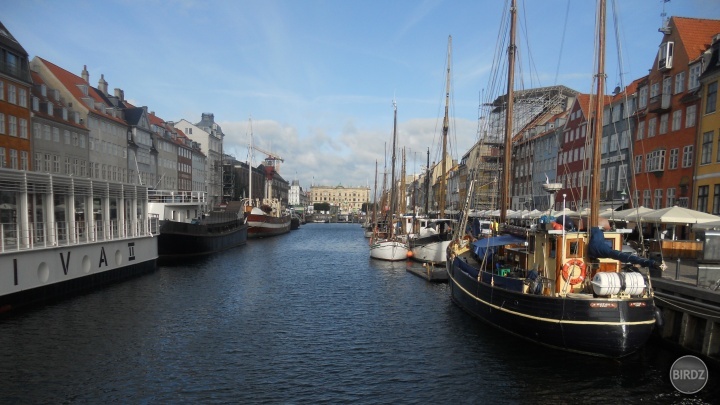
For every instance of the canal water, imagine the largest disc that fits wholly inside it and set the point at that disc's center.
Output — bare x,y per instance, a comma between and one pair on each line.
306,318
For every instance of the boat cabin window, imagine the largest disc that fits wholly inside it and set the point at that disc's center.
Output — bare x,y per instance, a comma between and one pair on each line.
573,248
553,247
531,244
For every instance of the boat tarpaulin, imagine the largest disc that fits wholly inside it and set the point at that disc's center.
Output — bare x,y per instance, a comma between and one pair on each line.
598,248
481,245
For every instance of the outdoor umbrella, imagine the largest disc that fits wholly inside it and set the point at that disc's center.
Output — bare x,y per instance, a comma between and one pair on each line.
678,215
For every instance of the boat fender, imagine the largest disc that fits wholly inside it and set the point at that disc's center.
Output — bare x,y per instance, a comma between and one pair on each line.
659,321
566,271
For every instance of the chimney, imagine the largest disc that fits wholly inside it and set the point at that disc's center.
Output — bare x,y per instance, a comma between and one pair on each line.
85,74
103,85
120,94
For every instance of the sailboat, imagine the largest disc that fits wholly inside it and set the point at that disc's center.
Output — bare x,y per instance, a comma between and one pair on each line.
265,217
430,244
388,245
563,288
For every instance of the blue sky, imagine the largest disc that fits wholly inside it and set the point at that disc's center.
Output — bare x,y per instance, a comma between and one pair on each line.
318,77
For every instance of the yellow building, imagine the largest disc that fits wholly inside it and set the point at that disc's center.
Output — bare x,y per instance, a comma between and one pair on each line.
347,199
707,169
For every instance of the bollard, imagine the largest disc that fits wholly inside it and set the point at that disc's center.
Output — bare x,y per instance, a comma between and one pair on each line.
677,270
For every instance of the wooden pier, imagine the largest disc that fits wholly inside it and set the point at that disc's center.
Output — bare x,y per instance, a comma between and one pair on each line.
429,272
689,302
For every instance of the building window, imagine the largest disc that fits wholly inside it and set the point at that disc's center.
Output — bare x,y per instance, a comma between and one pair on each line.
12,95
716,199
22,98
23,128
2,122
654,90
655,161
13,159
622,178
694,78
679,83
652,123
711,98
702,199
638,163
687,158
2,156
674,155
706,151
658,198
614,143
670,197
610,182
677,120
12,126
646,198
642,97
690,116
23,160
624,140
663,124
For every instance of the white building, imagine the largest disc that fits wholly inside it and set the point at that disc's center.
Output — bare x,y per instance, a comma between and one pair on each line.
209,136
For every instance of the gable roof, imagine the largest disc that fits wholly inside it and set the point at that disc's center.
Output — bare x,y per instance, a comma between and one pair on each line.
73,82
696,34
58,105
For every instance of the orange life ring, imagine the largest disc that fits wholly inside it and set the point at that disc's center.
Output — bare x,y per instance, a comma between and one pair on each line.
566,271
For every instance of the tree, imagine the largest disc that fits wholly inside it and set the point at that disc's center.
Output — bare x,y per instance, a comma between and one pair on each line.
321,206
367,207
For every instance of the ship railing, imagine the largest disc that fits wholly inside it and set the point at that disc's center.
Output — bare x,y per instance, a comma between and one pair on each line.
174,196
39,235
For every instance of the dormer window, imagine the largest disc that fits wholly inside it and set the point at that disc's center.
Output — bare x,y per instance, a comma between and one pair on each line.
35,104
43,90
50,108
665,55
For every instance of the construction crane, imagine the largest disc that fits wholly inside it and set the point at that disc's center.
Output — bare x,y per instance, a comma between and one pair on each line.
272,159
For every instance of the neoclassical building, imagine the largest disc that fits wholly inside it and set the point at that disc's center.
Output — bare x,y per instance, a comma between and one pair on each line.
348,199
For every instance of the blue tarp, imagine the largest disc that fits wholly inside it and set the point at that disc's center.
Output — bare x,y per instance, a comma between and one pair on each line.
481,245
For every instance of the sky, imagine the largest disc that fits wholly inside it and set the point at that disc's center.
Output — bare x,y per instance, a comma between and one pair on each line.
314,81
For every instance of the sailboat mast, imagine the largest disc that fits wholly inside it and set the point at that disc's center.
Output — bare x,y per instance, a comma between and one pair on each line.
250,163
374,215
507,164
427,184
393,203
446,125
403,197
598,118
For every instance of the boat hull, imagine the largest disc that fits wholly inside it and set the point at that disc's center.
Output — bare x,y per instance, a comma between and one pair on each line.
260,226
179,240
42,275
389,250
434,252
600,327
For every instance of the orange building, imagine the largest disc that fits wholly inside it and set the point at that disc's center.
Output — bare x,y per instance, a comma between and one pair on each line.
15,86
668,110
